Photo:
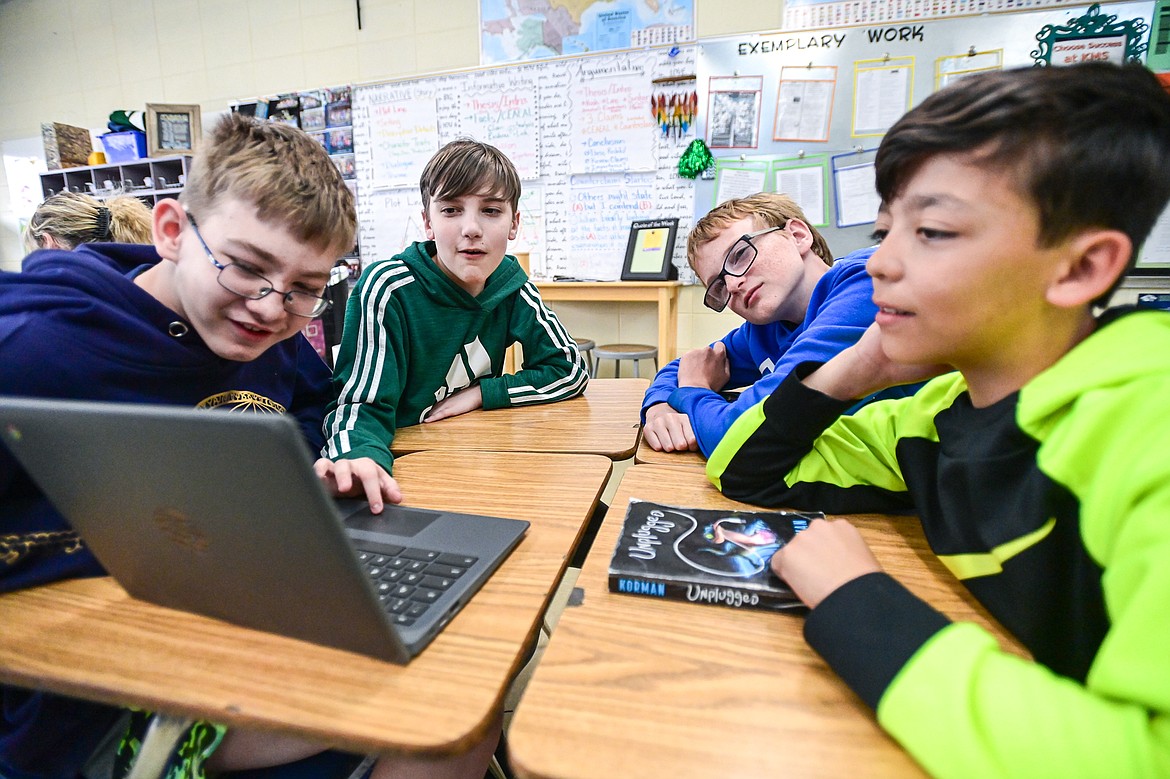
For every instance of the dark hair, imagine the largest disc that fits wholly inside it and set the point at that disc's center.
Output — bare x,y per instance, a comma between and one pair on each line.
467,167
1089,144
280,170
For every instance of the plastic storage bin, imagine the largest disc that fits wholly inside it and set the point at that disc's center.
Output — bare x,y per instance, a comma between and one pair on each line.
125,146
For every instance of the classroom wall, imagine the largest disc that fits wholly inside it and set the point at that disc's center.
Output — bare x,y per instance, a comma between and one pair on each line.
75,62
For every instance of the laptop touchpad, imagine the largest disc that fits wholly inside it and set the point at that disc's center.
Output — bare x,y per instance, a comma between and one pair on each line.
397,520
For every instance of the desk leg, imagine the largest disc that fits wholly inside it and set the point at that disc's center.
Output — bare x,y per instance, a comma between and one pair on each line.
160,740
667,324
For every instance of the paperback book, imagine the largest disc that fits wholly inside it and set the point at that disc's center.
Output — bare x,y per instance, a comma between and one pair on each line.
704,555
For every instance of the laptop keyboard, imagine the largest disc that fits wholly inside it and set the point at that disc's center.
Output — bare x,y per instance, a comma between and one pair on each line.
409,581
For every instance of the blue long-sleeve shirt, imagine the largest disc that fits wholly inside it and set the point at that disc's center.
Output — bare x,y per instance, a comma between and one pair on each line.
760,356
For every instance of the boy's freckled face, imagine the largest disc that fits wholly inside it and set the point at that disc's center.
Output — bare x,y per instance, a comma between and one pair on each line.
471,235
959,277
234,327
762,295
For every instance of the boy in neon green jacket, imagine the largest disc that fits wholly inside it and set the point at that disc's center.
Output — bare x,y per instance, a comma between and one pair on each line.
1013,203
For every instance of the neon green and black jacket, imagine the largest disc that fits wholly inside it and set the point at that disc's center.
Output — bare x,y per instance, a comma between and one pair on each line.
1053,508
413,337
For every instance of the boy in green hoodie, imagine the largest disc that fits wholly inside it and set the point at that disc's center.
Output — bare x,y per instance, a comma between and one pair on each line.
426,331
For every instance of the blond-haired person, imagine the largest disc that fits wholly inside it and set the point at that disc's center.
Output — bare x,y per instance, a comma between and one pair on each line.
69,219
210,315
759,256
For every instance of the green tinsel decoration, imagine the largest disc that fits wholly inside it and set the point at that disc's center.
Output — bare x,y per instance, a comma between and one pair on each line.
696,159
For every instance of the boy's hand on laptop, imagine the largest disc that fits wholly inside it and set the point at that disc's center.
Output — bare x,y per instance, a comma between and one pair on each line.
361,477
865,368
823,557
705,367
666,430
460,403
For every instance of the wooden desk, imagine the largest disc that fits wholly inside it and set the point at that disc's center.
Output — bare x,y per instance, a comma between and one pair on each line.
646,455
664,293
605,420
632,686
87,638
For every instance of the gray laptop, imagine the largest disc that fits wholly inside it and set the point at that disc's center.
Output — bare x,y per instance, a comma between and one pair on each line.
221,514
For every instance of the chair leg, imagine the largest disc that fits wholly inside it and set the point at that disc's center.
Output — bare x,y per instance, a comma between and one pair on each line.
637,363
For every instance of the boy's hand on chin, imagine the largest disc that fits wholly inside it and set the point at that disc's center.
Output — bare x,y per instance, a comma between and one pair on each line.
865,368
460,403
890,372
361,477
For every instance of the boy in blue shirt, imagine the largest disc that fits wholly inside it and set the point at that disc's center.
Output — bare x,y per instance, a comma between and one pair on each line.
1013,204
760,256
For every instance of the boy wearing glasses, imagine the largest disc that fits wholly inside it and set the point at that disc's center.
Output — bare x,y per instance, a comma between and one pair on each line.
760,256
210,317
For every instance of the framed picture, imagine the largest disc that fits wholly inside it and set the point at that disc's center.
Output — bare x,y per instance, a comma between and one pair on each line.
649,251
1094,36
172,129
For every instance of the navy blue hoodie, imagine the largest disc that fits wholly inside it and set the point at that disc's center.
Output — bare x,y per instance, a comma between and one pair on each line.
74,325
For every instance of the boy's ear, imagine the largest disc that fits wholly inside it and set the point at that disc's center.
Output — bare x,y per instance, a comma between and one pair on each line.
168,223
802,234
426,217
1096,260
515,226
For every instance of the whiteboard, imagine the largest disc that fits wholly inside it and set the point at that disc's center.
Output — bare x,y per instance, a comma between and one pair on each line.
580,131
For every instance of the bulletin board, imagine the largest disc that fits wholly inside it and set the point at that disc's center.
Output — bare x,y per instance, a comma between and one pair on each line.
596,140
826,97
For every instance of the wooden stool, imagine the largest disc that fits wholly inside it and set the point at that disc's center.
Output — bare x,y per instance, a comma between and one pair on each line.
585,347
619,352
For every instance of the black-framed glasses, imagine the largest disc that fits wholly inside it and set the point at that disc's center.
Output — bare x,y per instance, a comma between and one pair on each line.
251,285
736,262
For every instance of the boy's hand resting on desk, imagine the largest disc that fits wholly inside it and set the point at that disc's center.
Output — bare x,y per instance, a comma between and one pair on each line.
666,430
823,557
460,403
706,367
361,477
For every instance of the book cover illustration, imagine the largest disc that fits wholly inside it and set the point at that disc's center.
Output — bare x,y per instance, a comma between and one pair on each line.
705,555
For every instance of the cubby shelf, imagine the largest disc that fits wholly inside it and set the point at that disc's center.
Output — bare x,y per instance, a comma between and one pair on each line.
148,179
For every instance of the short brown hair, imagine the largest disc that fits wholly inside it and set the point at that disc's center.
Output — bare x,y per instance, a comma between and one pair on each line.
72,219
281,171
468,167
767,209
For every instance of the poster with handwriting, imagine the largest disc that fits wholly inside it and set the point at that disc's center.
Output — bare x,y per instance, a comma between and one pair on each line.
603,207
503,112
579,193
404,135
611,116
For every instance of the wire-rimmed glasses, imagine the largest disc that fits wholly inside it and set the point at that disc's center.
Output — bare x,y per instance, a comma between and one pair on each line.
249,284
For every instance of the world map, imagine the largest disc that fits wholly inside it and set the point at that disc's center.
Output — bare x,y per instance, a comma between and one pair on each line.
518,30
